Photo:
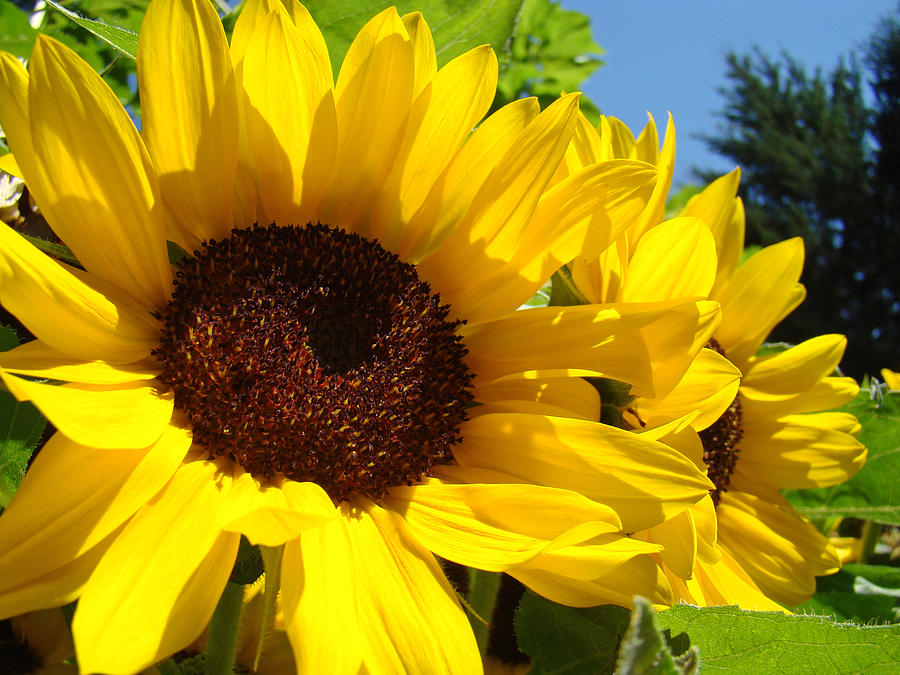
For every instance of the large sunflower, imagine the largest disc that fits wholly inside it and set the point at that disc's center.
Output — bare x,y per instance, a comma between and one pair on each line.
309,376
758,416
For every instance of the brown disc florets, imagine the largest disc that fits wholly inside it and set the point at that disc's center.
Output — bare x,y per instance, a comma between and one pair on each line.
720,441
316,354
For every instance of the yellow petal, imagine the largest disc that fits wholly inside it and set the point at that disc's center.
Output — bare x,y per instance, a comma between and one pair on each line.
496,527
674,260
678,536
645,482
56,588
271,515
645,149
793,370
47,634
441,119
319,591
454,191
760,294
563,396
709,386
600,340
616,585
423,48
292,130
579,216
93,492
67,314
726,583
771,544
801,451
373,94
719,207
170,553
36,359
8,164
409,613
189,111
93,169
891,378
130,415
491,229
829,393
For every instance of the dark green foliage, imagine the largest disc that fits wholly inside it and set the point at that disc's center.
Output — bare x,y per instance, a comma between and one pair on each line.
811,169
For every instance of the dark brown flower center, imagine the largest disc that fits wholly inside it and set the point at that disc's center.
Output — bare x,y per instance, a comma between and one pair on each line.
720,441
316,354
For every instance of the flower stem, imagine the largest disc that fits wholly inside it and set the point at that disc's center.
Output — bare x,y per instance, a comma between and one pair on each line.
871,533
272,560
483,588
223,631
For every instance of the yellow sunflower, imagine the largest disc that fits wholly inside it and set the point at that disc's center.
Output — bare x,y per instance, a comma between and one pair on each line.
37,643
339,367
758,416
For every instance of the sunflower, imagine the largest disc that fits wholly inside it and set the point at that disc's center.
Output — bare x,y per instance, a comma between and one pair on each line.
759,416
37,643
338,367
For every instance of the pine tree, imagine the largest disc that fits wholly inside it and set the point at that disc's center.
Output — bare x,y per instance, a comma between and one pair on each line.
818,163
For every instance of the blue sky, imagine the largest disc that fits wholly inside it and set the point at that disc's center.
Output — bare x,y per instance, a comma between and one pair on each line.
669,55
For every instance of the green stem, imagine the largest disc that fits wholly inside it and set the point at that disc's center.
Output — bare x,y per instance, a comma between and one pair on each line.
483,588
223,631
871,533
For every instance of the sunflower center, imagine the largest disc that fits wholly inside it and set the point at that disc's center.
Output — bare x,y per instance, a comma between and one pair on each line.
315,354
720,441
16,658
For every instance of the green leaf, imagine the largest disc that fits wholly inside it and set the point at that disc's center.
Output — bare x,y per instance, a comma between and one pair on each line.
21,426
644,649
121,39
457,25
873,493
552,51
568,639
858,593
16,34
732,640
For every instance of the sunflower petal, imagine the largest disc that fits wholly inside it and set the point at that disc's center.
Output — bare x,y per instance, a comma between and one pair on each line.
271,515
373,95
561,396
94,492
67,314
319,597
130,415
761,293
93,168
674,260
794,370
408,611
292,130
709,386
801,451
189,108
170,549
36,359
454,191
645,482
494,526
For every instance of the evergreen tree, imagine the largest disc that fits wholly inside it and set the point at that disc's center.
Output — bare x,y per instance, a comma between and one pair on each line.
818,163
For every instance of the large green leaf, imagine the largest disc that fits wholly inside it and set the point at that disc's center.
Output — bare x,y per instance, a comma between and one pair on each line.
645,650
873,493
16,34
457,25
736,641
21,426
567,639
